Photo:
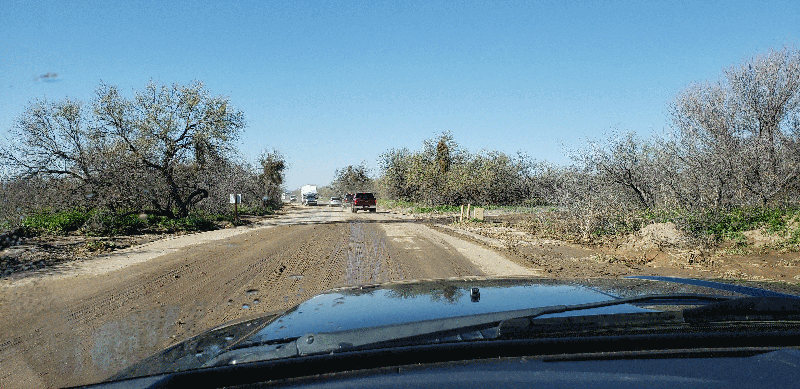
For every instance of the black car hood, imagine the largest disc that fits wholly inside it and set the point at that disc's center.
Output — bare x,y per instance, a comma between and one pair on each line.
400,302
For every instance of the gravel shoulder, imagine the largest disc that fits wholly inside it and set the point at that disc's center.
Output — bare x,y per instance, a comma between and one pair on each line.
655,250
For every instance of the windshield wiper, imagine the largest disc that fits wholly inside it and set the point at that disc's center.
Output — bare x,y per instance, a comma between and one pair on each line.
745,310
321,343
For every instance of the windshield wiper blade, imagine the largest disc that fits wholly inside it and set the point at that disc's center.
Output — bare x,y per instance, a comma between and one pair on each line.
744,310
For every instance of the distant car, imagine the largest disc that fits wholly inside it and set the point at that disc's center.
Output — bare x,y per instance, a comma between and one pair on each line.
363,201
335,202
348,199
293,198
310,199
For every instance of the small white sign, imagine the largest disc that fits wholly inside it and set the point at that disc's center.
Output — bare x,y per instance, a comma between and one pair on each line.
239,198
233,199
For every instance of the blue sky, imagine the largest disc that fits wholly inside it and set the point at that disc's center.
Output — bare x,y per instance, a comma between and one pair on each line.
333,83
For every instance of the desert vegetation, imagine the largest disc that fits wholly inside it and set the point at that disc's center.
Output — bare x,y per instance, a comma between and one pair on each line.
728,161
163,159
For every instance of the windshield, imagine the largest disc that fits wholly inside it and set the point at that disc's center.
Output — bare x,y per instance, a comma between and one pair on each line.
168,168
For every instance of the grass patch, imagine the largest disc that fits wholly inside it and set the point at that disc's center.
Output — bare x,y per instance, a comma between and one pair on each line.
413,207
725,224
437,209
256,210
100,245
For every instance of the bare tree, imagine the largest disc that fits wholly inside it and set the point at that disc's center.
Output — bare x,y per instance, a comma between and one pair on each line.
174,131
626,163
737,138
55,140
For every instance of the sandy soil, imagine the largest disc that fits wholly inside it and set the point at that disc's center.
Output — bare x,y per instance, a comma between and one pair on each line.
81,322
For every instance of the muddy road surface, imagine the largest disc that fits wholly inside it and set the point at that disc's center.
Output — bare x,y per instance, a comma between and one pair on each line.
82,322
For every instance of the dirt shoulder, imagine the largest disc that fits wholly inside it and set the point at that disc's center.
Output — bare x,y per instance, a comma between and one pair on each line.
51,256
658,249
42,252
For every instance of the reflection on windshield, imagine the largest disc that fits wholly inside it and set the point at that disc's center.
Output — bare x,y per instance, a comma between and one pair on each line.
404,303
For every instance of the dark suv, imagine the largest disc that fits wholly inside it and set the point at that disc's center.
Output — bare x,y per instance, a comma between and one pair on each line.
363,201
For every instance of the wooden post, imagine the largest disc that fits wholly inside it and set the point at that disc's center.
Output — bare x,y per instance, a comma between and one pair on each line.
469,215
461,217
235,213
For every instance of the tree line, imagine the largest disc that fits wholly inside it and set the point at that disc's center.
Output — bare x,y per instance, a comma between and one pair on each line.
169,150
730,143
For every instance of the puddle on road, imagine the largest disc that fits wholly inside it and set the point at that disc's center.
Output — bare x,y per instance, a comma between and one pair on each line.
251,292
245,306
296,277
256,301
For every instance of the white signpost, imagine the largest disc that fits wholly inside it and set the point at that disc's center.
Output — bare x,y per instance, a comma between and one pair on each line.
235,199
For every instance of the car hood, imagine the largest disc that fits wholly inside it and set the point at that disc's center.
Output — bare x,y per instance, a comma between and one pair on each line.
401,302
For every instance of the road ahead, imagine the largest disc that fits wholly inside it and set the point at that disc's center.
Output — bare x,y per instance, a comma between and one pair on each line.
82,323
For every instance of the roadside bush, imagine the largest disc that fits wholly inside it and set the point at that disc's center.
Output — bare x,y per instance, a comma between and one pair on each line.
63,221
108,223
188,223
258,210
723,224
444,173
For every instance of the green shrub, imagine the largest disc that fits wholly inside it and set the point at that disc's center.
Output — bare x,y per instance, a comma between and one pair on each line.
437,209
188,223
63,221
721,224
100,245
256,210
107,223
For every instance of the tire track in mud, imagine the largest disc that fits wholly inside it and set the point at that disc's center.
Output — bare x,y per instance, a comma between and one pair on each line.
423,256
176,285
367,259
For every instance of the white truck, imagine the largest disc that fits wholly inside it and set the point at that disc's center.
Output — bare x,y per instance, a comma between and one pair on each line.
309,194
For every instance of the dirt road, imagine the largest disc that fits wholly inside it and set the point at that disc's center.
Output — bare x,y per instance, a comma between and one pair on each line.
82,322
